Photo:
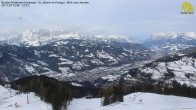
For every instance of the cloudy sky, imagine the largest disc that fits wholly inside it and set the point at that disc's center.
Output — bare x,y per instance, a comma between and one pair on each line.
135,18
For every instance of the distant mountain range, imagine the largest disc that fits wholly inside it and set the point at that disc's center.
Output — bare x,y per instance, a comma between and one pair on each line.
171,42
42,36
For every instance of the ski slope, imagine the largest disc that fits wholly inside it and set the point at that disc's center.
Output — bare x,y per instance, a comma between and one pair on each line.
150,101
9,97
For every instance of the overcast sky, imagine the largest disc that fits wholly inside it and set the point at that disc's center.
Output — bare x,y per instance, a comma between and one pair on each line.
135,18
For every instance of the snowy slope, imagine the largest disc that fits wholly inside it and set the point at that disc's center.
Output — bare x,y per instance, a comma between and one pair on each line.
179,68
150,101
8,98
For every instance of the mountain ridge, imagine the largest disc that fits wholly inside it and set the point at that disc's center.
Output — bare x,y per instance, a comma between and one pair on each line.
41,37
166,43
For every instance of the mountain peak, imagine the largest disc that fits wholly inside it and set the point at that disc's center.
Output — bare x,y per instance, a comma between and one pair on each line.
38,37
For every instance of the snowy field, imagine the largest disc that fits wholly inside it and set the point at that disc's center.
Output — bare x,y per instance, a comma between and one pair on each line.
150,101
8,98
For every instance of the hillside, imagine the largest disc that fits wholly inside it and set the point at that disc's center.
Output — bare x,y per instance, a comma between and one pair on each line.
171,69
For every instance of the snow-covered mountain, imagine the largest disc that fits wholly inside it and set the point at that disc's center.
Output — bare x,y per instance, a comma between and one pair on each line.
170,42
66,56
167,70
173,35
40,37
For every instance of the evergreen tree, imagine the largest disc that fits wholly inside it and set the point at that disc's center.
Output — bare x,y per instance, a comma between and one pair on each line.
120,95
106,100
